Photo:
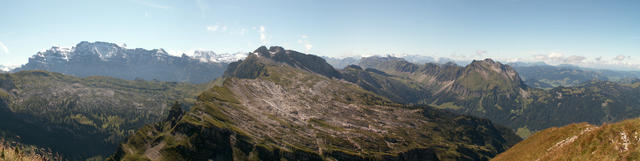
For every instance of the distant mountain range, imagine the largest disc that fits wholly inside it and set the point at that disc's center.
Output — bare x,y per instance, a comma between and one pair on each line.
547,76
109,59
493,90
534,74
340,63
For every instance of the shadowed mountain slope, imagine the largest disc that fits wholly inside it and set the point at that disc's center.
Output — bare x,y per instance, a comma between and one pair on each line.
82,117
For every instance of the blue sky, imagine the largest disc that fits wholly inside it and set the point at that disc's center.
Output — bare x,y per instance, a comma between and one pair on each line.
593,33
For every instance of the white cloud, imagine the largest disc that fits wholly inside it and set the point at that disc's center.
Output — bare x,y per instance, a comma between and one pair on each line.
305,42
4,48
224,28
559,58
263,35
151,4
619,62
213,28
621,58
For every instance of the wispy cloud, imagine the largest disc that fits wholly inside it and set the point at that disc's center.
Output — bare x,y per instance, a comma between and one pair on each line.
218,28
621,58
263,35
4,48
620,62
151,4
204,8
560,58
213,28
305,42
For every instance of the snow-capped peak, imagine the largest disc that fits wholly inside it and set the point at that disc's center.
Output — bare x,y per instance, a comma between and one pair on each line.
210,56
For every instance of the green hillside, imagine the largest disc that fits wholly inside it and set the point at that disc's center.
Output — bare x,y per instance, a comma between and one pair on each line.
82,117
581,141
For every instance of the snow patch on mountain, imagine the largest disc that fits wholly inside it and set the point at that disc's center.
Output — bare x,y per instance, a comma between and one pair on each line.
210,56
115,60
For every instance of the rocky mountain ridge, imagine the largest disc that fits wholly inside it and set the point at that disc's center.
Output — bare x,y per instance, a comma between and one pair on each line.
110,59
280,104
493,90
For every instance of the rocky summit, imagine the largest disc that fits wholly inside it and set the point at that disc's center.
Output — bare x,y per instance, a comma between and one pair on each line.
284,105
110,59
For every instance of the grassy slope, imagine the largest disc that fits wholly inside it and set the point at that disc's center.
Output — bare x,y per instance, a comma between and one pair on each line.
617,141
82,117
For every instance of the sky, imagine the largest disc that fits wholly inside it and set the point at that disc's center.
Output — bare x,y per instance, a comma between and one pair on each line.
590,33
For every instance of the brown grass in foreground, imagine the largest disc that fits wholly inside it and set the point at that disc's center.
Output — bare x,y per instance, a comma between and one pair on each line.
581,141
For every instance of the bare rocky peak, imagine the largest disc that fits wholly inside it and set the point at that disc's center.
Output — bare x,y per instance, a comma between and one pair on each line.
211,56
115,60
276,54
102,50
489,65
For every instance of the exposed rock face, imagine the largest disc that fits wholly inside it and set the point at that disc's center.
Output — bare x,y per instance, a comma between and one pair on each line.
279,104
109,59
446,85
